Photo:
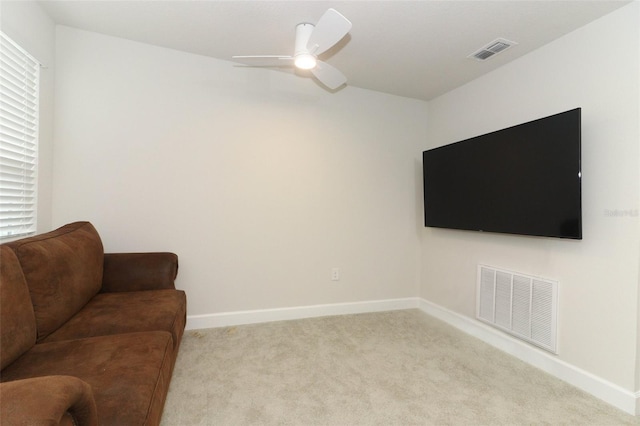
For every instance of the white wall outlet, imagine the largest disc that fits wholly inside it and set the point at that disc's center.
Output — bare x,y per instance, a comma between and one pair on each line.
335,274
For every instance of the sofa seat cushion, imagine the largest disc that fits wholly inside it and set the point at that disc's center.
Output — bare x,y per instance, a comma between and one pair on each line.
128,373
63,269
126,312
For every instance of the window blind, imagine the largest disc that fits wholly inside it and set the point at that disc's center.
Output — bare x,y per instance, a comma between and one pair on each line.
19,80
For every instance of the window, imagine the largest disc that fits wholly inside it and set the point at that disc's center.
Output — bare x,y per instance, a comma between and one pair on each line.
19,79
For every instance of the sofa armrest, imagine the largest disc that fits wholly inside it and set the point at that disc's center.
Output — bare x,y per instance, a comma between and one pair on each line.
48,400
139,271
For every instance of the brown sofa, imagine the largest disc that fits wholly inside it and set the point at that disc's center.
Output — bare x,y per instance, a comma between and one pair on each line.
87,338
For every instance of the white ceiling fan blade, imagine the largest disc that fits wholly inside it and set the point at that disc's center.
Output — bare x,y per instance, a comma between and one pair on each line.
329,30
328,75
265,60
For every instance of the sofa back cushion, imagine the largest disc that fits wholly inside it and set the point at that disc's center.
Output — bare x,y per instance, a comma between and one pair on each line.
63,269
17,321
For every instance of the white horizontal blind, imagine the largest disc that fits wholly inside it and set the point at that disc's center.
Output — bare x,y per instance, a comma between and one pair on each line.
19,80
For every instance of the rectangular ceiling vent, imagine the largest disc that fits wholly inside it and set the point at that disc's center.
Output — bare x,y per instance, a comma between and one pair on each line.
521,305
496,46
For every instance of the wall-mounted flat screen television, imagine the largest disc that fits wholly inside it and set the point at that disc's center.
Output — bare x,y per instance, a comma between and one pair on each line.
525,179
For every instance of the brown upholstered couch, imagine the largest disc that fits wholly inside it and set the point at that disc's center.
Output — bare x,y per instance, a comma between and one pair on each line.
87,338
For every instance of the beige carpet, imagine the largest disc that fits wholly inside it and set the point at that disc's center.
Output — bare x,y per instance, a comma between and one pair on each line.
390,368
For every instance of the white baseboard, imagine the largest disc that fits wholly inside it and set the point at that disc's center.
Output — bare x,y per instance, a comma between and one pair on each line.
613,394
609,392
227,319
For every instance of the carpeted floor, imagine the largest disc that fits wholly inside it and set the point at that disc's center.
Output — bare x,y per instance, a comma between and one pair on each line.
390,368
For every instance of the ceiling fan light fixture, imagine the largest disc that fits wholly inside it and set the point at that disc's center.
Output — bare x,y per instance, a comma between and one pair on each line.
305,61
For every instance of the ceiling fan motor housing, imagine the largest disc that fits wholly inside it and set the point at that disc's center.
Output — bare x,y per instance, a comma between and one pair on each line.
303,58
303,33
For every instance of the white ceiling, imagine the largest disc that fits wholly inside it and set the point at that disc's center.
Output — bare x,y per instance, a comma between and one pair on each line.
416,49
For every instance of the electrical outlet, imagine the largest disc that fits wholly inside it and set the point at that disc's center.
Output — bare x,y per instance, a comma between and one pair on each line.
335,274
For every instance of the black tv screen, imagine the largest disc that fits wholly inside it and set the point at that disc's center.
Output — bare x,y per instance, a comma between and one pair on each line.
525,179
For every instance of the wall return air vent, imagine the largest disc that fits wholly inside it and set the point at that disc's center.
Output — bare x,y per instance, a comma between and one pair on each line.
521,305
496,46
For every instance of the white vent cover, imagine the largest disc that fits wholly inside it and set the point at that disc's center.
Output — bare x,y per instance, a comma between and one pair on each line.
522,305
496,46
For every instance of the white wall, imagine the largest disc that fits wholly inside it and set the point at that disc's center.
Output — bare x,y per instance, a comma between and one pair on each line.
596,68
260,180
637,378
29,26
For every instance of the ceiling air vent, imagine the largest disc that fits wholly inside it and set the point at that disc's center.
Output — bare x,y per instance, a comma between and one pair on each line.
496,46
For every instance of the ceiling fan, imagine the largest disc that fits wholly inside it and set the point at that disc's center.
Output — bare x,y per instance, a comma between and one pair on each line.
311,41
